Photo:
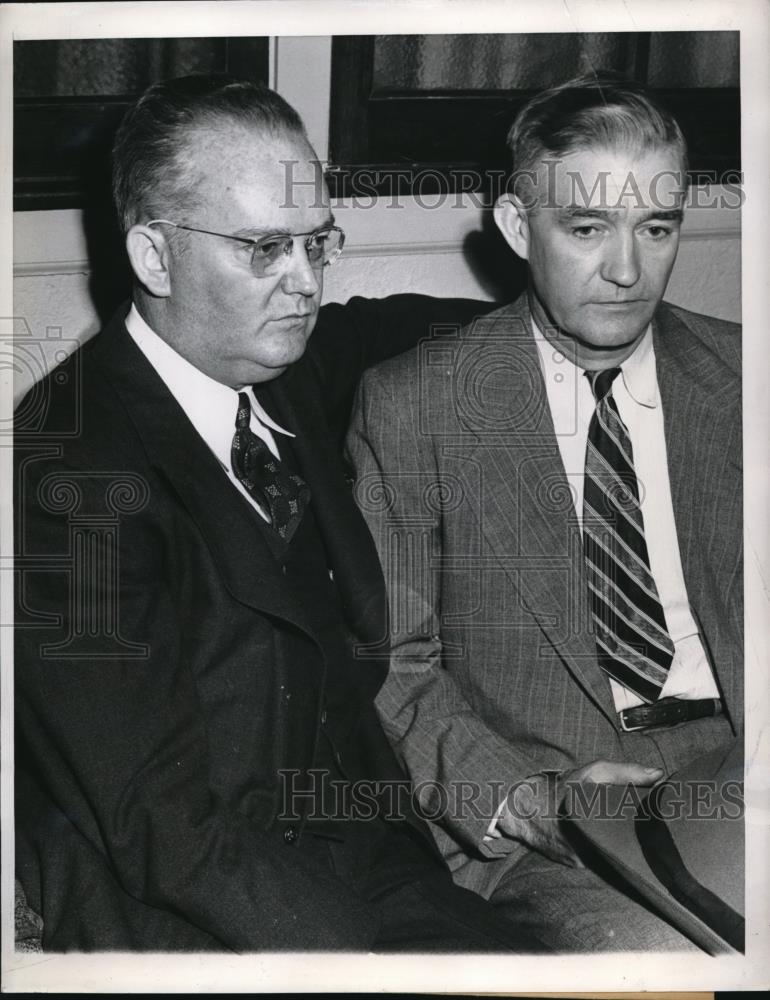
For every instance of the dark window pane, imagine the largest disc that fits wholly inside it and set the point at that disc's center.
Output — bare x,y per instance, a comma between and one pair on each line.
111,66
494,62
402,104
694,59
71,94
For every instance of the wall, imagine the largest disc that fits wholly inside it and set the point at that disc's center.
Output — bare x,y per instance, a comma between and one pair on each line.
449,249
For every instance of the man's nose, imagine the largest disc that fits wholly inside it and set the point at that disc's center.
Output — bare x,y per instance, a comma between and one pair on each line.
299,277
621,263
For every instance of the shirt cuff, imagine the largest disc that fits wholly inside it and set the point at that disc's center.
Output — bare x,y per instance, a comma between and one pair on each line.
492,832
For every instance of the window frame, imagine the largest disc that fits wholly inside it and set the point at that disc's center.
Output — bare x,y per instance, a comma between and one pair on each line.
46,131
364,128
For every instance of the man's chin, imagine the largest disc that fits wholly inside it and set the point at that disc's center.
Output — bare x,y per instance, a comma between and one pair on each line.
611,337
263,373
616,327
611,340
285,347
271,368
592,347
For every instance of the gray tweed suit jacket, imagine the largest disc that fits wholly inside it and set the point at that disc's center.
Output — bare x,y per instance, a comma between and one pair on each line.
493,673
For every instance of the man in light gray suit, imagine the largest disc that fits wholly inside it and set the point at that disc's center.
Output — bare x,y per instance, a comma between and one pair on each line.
556,497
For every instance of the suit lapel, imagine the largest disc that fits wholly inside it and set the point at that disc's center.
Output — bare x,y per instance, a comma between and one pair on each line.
525,508
296,404
696,403
701,416
178,455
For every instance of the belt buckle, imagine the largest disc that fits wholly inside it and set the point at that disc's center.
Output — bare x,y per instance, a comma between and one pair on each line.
716,706
624,725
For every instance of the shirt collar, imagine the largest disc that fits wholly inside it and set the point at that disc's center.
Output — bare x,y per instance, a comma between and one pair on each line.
556,366
637,371
209,405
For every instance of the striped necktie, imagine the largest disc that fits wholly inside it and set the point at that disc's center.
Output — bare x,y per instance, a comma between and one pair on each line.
632,640
283,495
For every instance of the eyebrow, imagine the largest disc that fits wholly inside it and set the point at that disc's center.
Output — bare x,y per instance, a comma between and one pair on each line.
581,212
252,233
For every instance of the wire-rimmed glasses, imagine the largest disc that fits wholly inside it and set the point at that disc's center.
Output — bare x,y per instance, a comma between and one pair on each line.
269,253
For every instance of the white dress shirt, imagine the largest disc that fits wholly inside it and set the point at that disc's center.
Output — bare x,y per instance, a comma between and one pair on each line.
637,397
210,406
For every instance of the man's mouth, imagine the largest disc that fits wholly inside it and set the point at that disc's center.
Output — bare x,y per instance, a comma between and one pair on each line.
618,302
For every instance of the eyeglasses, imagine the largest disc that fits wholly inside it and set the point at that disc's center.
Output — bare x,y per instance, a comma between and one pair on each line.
323,246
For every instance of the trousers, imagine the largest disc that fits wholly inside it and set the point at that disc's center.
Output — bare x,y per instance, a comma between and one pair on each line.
420,908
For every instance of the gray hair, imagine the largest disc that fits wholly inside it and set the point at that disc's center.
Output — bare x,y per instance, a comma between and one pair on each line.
592,112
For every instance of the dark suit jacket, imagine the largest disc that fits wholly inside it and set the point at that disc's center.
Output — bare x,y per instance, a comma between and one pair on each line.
165,673
494,675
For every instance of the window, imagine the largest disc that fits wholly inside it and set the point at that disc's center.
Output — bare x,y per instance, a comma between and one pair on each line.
70,97
434,110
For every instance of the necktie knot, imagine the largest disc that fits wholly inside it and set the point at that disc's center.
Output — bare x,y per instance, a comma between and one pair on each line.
601,382
243,416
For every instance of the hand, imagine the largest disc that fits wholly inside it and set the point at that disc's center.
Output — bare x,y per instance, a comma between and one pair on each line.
531,811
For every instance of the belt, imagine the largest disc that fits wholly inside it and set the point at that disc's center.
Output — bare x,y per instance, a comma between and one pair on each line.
668,712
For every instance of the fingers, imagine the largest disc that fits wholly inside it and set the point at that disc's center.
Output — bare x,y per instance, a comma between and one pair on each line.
541,830
533,822
608,772
546,837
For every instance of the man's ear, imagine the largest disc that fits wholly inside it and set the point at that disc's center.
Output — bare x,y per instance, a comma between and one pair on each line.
511,218
150,257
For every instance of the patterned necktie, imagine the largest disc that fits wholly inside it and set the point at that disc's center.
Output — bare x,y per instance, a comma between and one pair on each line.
279,492
632,641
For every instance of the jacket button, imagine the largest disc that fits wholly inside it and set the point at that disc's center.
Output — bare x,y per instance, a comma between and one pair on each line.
290,834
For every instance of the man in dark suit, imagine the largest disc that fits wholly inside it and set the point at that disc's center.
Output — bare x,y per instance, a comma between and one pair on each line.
199,763
556,498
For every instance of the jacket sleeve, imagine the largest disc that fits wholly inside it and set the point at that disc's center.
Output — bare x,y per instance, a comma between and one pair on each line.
352,337
111,712
461,767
